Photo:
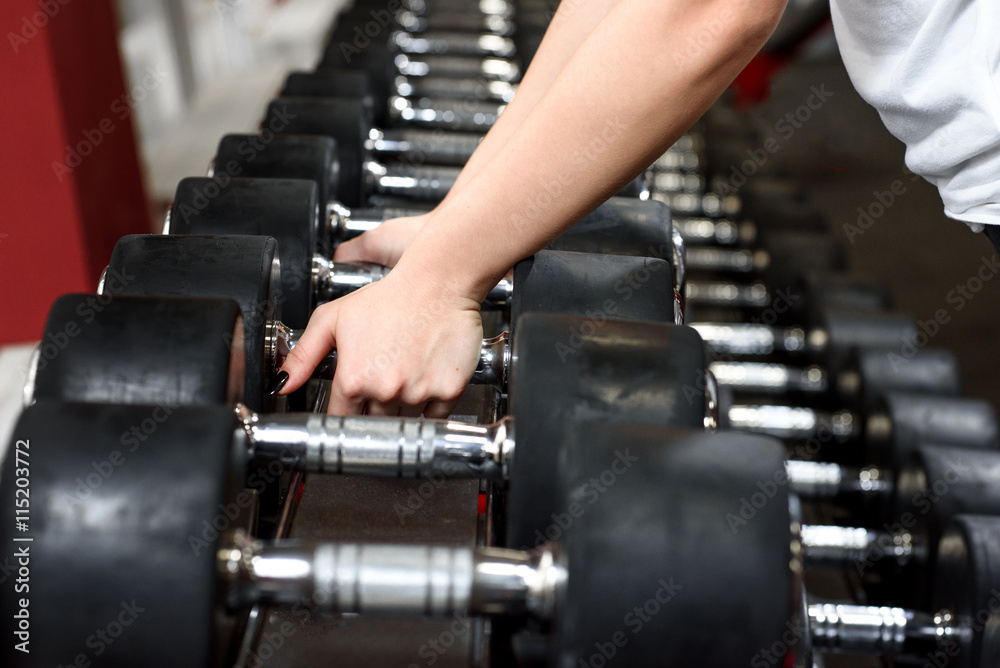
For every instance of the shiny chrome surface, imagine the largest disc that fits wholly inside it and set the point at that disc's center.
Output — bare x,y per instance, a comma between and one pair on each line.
723,293
764,378
381,446
473,115
711,258
814,480
491,69
848,546
791,423
494,362
453,43
711,401
391,579
423,182
745,339
857,629
448,88
102,281
332,280
679,266
721,231
28,391
501,294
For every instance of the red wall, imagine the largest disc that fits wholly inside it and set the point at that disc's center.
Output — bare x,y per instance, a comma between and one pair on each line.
62,86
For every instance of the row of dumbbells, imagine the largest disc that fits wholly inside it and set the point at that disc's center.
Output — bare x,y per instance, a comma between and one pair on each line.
489,581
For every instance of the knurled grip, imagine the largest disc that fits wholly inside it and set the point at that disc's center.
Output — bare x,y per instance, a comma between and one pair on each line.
424,182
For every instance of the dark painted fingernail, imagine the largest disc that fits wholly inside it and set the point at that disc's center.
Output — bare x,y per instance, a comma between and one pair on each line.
279,382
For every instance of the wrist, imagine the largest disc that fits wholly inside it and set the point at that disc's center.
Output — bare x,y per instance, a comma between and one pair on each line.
447,257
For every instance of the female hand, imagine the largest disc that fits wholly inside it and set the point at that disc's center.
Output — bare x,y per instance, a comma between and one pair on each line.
405,346
383,245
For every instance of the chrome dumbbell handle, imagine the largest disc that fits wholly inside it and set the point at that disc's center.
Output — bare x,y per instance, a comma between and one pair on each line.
792,423
698,231
749,339
435,147
445,88
489,23
333,280
840,547
458,67
858,629
441,42
346,223
469,115
426,183
379,446
764,378
727,294
447,7
822,480
711,258
492,368
410,580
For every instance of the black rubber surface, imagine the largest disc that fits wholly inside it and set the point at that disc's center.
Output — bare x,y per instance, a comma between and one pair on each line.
967,582
231,267
287,210
852,329
347,121
122,566
283,157
929,371
597,286
683,559
621,226
330,83
940,482
167,351
931,420
568,369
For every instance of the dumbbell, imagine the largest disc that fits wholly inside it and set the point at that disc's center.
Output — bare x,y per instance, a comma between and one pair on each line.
348,122
246,268
146,350
898,423
958,628
290,211
936,484
870,373
465,119
639,543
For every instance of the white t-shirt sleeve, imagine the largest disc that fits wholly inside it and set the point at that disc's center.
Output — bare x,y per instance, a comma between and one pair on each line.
932,70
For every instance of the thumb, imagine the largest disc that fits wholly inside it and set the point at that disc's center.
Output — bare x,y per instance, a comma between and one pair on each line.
316,342
352,250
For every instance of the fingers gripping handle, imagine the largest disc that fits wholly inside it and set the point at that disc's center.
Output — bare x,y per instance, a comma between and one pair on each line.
492,368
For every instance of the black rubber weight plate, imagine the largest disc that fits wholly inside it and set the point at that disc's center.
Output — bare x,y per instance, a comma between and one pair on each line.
285,209
683,558
569,369
168,351
116,573
231,267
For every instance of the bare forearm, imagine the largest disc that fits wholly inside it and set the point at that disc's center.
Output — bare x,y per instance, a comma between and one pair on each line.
646,72
573,21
